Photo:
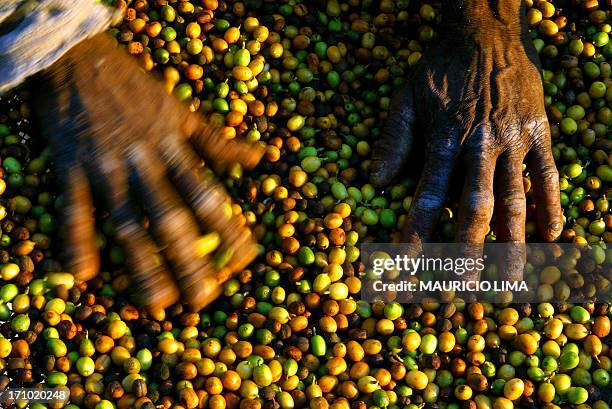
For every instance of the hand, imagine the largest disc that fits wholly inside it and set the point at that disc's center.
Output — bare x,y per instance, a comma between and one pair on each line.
112,126
477,99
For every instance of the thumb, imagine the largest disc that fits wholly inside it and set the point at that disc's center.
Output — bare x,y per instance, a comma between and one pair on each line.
210,143
391,151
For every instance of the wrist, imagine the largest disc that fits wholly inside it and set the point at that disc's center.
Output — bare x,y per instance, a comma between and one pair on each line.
482,21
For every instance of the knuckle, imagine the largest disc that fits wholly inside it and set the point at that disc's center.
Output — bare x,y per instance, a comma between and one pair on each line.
479,133
537,127
554,214
549,175
127,228
428,201
479,204
477,154
514,206
507,130
401,110
382,147
398,127
444,150
180,215
110,166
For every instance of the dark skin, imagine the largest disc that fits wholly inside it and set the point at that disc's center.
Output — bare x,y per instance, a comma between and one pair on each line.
112,139
479,108
476,100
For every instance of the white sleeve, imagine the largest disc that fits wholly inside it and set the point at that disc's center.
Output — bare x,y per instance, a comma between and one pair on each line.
40,36
8,7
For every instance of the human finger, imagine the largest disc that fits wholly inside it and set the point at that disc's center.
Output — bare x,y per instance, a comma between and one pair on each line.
510,202
545,181
210,143
173,225
210,203
81,246
476,207
154,285
431,193
392,150
510,215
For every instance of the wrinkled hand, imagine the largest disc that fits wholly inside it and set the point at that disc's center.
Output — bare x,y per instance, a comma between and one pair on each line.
112,127
477,100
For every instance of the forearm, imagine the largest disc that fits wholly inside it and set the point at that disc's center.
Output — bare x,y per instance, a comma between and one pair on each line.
482,19
33,41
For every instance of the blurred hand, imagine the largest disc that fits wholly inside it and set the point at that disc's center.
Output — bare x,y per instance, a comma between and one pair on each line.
477,100
113,128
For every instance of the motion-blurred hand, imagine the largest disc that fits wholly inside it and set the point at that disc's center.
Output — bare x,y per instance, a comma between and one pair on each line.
112,128
476,97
